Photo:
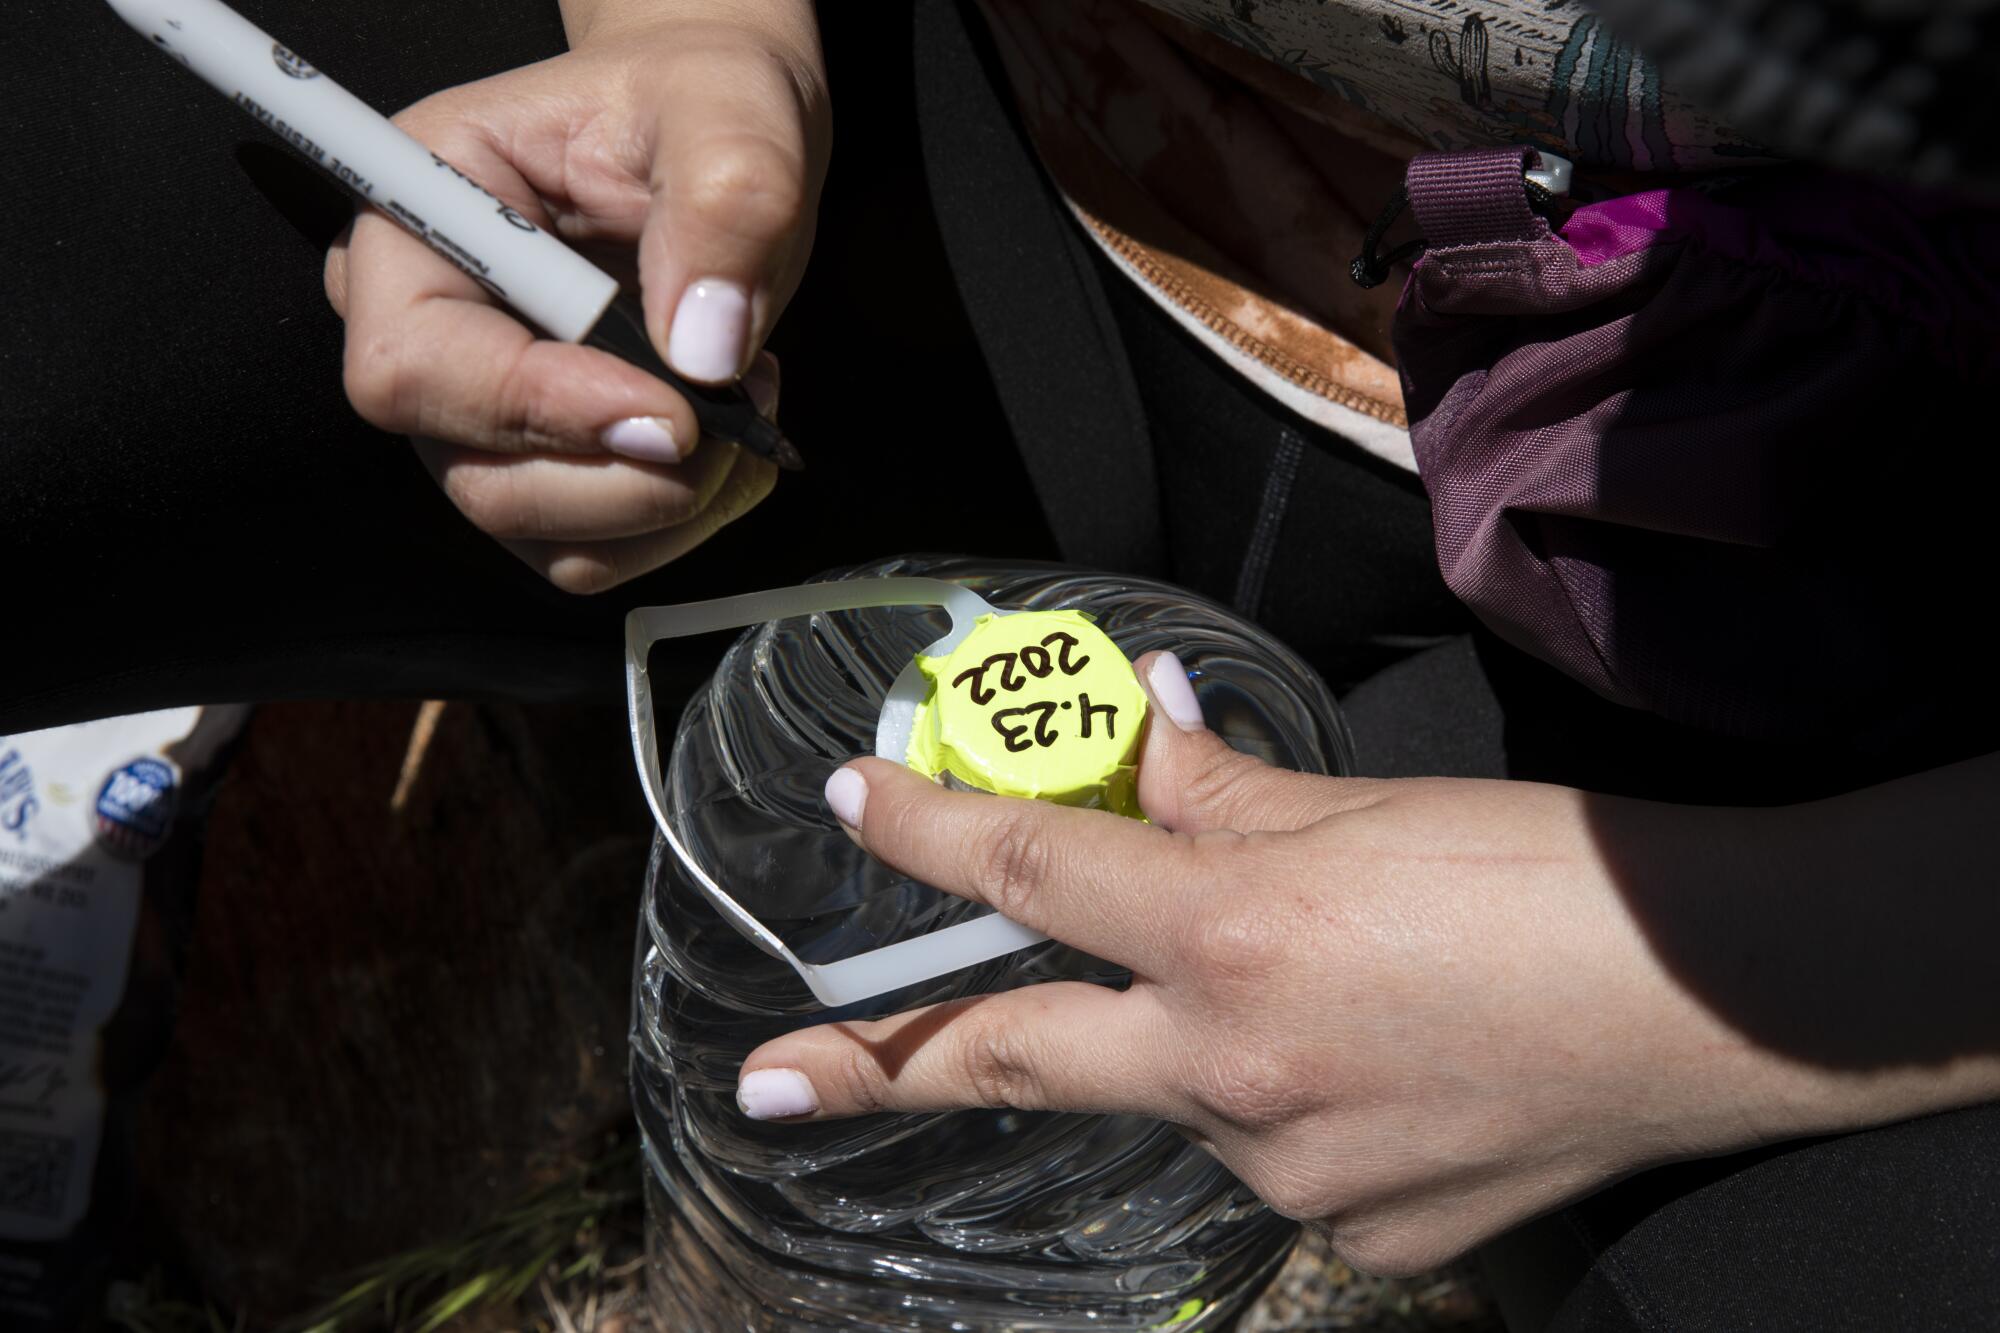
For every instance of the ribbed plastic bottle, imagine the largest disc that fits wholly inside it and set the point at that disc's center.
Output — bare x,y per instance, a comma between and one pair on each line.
978,1220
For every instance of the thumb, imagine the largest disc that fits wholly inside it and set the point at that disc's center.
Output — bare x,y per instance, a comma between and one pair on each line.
1190,781
735,183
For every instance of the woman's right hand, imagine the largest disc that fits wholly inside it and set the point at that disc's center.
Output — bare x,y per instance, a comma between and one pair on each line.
682,145
1417,1012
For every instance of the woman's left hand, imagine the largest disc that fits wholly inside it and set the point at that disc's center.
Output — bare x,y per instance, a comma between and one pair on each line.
1415,1012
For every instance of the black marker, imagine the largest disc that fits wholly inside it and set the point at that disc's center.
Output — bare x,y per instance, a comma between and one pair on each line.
559,290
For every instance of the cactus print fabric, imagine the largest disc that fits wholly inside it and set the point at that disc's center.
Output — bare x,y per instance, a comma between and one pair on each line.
1494,72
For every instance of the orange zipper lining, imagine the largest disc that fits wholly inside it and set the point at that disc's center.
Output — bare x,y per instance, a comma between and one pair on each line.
1290,368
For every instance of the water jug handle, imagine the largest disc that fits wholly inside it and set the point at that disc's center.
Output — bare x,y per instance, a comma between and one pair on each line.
906,962
877,971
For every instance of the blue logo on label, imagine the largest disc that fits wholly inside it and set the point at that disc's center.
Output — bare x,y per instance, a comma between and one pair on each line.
17,794
135,807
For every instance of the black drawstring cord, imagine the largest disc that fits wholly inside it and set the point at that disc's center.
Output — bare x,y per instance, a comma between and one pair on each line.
1372,269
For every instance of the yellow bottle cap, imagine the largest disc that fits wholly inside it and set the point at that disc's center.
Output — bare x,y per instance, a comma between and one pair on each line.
1038,704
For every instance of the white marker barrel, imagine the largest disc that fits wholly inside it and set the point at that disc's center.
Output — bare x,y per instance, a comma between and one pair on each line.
531,270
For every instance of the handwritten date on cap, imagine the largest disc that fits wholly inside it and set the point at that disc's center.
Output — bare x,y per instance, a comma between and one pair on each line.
1040,704
1002,672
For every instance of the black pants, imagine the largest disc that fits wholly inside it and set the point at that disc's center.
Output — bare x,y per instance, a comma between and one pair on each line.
189,511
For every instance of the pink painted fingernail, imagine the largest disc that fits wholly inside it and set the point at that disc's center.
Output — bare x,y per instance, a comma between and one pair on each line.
648,439
846,796
711,326
1168,680
773,1094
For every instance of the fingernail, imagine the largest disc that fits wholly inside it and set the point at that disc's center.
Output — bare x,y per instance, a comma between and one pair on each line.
710,328
772,1094
648,439
846,795
1168,680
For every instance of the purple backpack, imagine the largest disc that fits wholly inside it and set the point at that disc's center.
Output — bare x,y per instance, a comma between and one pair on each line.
1712,454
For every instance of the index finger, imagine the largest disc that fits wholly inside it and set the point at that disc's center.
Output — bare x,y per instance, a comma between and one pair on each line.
1102,882
429,353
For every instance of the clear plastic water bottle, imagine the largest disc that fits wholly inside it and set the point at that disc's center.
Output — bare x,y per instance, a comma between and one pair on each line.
976,1220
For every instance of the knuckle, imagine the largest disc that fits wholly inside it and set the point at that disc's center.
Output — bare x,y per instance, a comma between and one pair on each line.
373,374
431,121
1254,1085
1223,786
333,277
528,415
997,1068
1012,864
586,575
487,497
1239,940
668,505
745,184
857,1080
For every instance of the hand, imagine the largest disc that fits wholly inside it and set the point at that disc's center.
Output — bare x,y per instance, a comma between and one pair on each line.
1411,1012
688,153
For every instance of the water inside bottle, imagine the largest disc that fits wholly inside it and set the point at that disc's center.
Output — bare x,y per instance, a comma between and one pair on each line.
1000,1220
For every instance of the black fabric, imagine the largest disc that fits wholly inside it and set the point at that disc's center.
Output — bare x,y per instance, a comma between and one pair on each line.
1897,1228
1432,713
190,511
1021,261
1280,479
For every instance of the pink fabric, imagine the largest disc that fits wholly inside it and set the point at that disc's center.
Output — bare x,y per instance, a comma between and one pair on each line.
1620,227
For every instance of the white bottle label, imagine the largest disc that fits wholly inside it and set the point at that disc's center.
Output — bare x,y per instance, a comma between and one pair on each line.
80,808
